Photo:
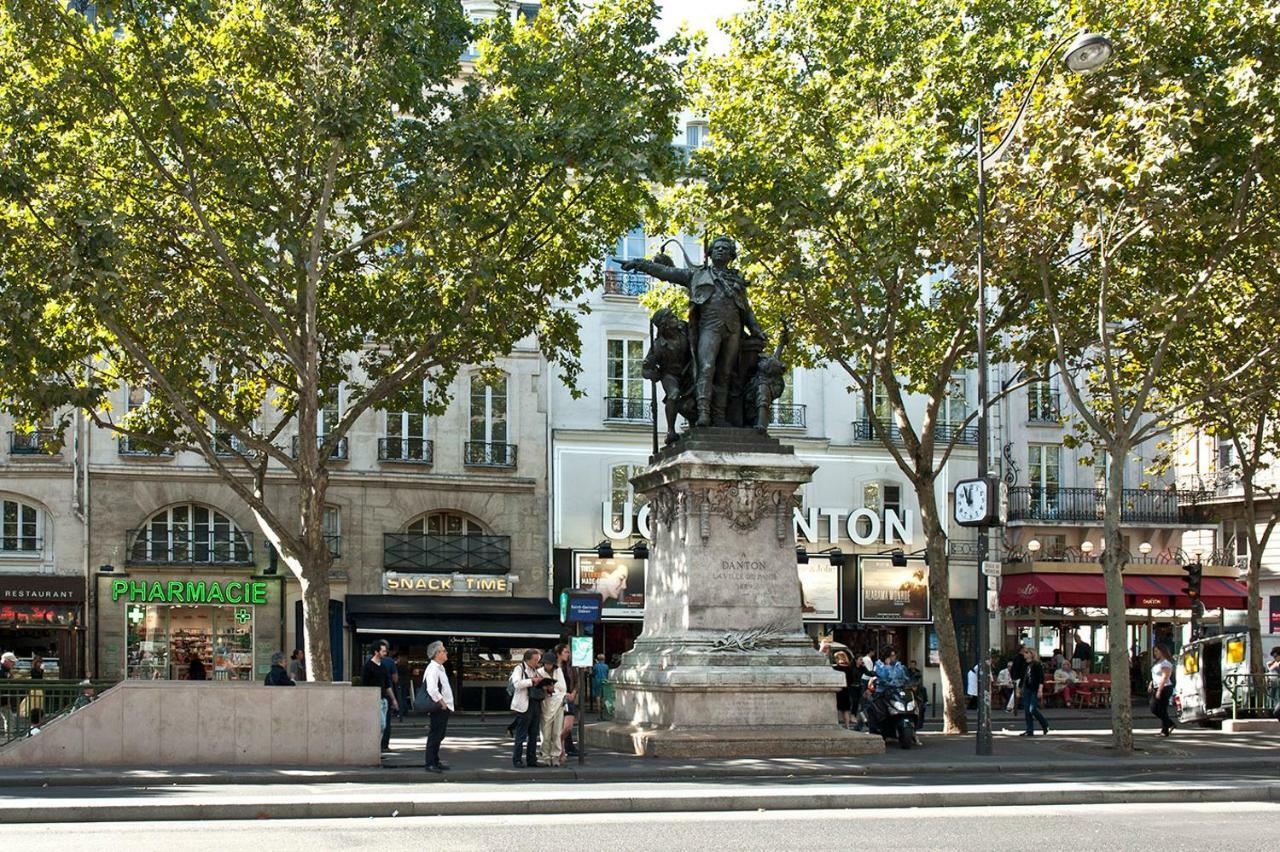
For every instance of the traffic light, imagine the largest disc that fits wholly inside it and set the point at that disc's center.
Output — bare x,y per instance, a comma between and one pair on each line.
1195,577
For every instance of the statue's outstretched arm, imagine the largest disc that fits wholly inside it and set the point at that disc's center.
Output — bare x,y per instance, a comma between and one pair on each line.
670,274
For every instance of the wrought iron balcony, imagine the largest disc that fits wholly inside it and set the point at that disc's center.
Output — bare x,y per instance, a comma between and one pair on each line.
150,546
1088,505
339,451
481,454
628,409
619,283
863,430
138,448
467,554
1044,408
787,416
38,442
407,450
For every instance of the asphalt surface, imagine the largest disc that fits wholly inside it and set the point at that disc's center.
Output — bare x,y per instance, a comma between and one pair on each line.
1099,828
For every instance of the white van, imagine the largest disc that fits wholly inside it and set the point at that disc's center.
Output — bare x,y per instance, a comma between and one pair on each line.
1205,683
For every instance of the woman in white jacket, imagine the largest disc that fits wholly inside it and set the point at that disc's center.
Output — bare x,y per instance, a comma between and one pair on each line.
549,749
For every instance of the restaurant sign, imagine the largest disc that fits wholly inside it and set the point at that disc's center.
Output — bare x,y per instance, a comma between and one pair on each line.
190,591
41,589
500,585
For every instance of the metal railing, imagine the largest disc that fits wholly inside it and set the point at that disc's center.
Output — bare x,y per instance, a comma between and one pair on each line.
475,554
619,283
165,547
27,704
482,454
1088,505
227,444
38,442
786,416
409,450
864,430
138,448
339,451
1044,407
1253,696
627,409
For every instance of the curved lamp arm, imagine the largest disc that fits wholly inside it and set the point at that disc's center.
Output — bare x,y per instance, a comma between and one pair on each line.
997,153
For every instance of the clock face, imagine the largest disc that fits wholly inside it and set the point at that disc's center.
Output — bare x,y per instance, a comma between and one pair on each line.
973,498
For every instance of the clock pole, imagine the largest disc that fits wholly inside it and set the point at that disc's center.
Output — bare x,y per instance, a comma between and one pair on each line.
984,442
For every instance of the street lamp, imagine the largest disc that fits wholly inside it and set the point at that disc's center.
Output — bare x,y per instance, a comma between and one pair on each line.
1034,547
1086,547
1087,53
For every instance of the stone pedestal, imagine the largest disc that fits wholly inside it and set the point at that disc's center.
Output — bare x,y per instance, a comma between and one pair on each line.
723,667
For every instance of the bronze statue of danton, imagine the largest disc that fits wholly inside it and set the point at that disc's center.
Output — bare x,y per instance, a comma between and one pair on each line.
717,378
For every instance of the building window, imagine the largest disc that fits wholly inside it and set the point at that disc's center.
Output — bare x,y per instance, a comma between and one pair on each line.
333,530
489,409
190,533
692,248
955,408
621,494
330,411
19,528
1042,402
1044,463
880,402
444,523
695,134
1226,455
631,246
1053,546
624,386
881,498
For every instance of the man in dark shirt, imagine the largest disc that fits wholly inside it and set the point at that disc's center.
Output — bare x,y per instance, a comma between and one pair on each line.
1017,671
1082,657
375,674
1032,687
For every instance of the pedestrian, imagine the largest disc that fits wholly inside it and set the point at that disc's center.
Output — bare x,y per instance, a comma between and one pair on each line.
844,697
37,667
279,675
526,691
971,687
439,699
1273,678
1082,656
915,678
8,661
1004,680
298,665
564,659
1032,690
195,667
393,675
1018,671
86,696
374,674
551,728
1162,688
599,676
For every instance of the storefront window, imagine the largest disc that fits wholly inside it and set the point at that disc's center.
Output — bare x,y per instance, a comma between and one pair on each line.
164,641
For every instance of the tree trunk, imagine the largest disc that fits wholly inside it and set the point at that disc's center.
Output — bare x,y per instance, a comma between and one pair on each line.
953,699
1113,562
315,626
311,566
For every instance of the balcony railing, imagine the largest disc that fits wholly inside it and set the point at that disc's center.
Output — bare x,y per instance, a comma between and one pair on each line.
407,450
1088,505
38,442
628,409
468,554
149,546
619,283
786,416
339,451
1044,408
863,430
227,444
481,454
138,448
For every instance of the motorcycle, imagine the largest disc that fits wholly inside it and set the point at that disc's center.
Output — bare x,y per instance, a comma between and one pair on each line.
892,714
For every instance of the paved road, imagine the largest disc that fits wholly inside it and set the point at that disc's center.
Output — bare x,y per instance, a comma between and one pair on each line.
1098,828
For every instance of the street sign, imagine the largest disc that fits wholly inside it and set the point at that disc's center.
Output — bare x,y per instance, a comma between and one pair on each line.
582,648
993,601
991,569
993,583
564,606
580,605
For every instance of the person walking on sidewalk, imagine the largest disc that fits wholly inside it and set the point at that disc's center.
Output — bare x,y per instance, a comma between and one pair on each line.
1162,688
1017,671
439,698
297,665
551,746
1032,690
375,674
526,691
599,675
564,659
278,676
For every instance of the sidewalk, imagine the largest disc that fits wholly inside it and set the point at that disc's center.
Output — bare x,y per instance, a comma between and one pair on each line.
480,753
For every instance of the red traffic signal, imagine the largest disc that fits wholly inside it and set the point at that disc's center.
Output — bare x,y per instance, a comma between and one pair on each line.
1195,578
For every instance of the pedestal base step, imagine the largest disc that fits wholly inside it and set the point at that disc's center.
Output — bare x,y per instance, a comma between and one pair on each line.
774,741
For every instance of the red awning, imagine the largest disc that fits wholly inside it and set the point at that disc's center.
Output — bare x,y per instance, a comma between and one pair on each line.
1140,591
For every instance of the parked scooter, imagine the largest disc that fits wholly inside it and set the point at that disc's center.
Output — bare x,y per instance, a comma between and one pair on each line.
892,714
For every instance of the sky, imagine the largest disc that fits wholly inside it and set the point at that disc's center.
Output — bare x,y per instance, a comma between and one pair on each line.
699,15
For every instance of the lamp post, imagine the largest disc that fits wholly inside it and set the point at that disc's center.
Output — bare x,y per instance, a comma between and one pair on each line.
1088,52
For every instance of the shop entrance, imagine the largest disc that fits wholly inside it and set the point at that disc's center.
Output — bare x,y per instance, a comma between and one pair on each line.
166,641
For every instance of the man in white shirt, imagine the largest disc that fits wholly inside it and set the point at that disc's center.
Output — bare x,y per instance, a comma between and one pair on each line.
524,677
440,694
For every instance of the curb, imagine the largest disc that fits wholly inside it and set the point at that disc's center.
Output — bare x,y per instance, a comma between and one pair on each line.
688,801
118,777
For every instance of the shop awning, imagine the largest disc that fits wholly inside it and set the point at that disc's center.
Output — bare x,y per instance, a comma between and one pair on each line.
481,617
1140,591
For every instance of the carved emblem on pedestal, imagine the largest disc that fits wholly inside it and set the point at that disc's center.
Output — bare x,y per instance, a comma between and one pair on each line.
744,503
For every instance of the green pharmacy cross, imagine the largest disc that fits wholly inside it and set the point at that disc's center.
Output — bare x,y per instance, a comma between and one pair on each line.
243,616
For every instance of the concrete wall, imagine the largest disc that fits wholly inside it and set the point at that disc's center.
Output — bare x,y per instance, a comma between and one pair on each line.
180,723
